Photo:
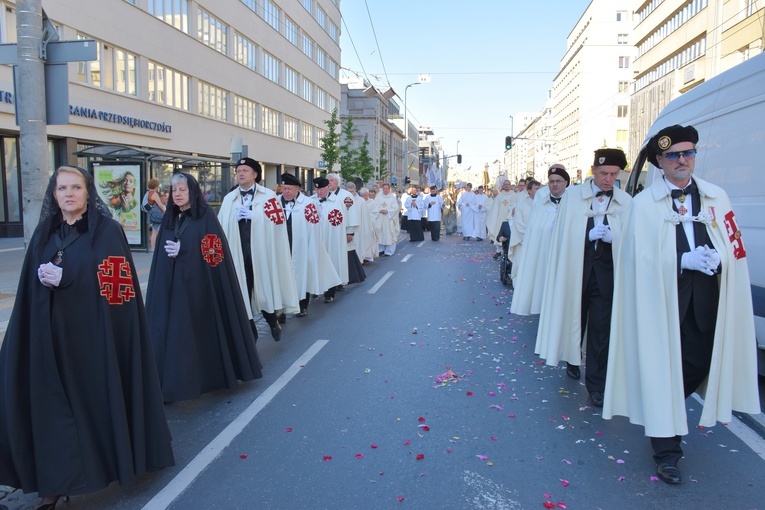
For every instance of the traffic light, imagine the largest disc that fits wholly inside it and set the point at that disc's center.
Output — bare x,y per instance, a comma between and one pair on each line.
459,159
508,143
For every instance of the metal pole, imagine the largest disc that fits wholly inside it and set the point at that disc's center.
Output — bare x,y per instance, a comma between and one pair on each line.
30,105
406,132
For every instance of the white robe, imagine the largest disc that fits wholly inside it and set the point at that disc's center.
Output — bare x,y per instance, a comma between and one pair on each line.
433,205
366,236
413,207
333,213
501,209
559,335
533,263
386,225
480,212
274,281
465,206
644,380
314,271
351,215
518,225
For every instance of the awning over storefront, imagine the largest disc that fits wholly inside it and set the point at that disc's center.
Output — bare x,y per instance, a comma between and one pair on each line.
122,152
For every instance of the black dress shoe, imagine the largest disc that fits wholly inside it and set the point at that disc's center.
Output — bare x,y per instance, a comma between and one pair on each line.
281,318
302,313
496,255
668,473
596,397
573,371
276,332
479,239
329,299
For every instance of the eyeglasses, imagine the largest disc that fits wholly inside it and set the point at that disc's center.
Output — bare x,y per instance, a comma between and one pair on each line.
675,156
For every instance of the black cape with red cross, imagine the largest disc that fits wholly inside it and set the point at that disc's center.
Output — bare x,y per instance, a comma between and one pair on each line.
203,340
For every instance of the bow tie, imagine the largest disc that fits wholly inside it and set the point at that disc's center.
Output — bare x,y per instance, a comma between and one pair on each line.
248,192
608,193
680,193
322,199
555,200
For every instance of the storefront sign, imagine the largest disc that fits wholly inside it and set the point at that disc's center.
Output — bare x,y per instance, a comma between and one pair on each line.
133,122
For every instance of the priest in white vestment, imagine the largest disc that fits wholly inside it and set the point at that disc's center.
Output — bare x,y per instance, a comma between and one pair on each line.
465,204
480,212
501,210
385,209
521,217
366,237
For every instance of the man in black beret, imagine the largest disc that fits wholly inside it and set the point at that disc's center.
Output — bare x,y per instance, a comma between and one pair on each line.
255,226
682,314
332,214
580,282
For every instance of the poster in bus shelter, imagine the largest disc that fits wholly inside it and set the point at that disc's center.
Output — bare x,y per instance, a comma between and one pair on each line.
117,185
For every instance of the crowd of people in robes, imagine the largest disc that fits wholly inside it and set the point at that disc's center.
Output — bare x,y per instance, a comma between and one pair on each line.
654,289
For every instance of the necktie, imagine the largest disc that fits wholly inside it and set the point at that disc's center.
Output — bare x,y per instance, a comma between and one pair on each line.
248,192
322,199
608,193
555,200
680,193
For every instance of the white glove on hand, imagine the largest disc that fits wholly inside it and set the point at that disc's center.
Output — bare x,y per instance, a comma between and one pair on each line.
50,274
697,260
714,258
608,237
244,213
597,232
172,248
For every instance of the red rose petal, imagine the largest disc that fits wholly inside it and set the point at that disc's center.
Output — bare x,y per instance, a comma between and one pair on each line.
421,418
420,456
548,504
243,456
425,428
373,445
288,429
407,442
469,393
400,499
327,457
359,455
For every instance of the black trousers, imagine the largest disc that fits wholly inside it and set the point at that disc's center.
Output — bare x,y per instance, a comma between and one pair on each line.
596,316
696,346
415,231
425,225
303,303
435,230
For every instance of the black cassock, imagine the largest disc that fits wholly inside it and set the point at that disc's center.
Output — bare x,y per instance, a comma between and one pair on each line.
80,403
200,330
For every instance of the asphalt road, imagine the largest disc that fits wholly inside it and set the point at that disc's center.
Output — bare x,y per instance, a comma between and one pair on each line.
352,413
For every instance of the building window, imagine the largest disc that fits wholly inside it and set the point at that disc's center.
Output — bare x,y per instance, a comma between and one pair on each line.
320,134
270,121
321,98
622,39
622,16
251,4
624,62
332,104
113,69
624,86
307,90
621,135
291,31
246,52
321,17
290,128
271,14
211,31
308,46
174,13
333,32
751,7
621,110
291,80
333,69
213,101
308,4
244,112
308,134
321,58
168,87
270,67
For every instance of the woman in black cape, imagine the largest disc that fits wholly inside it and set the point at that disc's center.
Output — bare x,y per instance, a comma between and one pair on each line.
80,403
203,340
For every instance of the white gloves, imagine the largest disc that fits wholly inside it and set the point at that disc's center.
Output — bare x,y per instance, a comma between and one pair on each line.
597,232
172,248
703,259
244,213
608,237
50,274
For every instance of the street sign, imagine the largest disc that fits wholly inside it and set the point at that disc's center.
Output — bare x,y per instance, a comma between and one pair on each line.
322,164
394,179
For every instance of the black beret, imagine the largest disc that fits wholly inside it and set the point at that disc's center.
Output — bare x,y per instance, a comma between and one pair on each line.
559,170
321,182
252,164
610,157
668,137
290,180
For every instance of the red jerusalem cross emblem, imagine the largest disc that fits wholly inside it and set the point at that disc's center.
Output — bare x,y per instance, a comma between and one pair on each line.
348,201
116,280
212,249
311,214
335,217
274,211
734,235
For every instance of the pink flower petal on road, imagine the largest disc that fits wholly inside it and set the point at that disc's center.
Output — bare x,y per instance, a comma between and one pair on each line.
482,457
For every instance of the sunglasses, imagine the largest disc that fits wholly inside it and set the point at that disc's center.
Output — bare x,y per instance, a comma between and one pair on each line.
675,156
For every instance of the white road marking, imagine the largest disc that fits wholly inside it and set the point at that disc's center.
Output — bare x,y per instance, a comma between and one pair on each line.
11,249
380,283
209,453
487,494
406,257
744,432
421,243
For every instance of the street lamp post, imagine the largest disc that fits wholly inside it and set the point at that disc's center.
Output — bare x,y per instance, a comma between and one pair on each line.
406,131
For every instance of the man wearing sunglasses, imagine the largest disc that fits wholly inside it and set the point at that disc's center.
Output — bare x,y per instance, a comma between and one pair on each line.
682,315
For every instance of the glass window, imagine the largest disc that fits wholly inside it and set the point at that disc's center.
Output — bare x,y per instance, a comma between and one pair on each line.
251,4
624,86
308,4
321,98
11,162
291,79
622,39
291,31
113,69
621,16
321,58
290,128
321,17
271,67
308,134
246,52
333,32
621,110
308,46
621,135
211,31
271,14
244,112
168,87
624,62
175,13
308,90
270,121
213,101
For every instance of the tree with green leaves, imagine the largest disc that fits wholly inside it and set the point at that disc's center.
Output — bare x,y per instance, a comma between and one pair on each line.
383,161
365,168
347,154
330,151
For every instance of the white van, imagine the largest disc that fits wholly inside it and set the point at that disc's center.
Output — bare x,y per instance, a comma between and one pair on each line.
729,113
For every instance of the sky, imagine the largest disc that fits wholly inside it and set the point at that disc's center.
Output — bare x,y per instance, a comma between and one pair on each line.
488,60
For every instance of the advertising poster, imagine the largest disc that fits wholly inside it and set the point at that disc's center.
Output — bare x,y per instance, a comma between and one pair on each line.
117,186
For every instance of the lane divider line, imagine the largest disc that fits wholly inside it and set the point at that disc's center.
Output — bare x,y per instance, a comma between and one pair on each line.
406,257
380,283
